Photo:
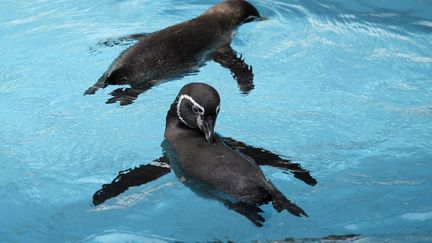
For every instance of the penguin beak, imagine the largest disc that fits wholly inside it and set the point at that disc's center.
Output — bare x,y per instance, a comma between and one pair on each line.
207,127
255,19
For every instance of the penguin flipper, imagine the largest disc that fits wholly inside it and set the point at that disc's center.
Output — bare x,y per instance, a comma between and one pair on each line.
241,71
123,40
265,157
251,212
126,96
132,177
280,202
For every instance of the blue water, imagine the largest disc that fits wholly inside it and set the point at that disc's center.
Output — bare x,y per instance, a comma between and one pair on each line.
342,87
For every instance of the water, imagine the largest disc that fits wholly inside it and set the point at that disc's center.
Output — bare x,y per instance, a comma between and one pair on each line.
343,87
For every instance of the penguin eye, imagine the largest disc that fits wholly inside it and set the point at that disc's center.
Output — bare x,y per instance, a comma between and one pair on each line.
197,110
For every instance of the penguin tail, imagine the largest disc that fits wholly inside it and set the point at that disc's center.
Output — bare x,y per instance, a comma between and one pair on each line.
101,83
280,202
91,90
115,76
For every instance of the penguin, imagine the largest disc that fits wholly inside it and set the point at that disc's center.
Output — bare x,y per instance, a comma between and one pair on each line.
180,50
211,165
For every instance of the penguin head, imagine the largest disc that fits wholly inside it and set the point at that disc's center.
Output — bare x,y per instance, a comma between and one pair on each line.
197,106
238,11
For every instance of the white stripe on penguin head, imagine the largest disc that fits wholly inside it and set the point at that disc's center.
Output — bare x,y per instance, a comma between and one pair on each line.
184,96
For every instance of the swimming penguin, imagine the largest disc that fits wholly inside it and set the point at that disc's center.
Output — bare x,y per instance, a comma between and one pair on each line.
179,50
228,169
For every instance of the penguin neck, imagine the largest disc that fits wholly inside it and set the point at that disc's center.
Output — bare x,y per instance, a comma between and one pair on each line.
174,127
226,23
172,113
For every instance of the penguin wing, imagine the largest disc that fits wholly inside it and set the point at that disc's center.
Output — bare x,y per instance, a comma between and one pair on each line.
132,177
122,40
241,71
265,157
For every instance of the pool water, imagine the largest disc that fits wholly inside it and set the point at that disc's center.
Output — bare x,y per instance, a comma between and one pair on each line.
342,87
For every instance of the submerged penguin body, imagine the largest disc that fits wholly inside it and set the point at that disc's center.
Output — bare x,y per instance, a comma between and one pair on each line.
167,54
201,154
213,164
179,50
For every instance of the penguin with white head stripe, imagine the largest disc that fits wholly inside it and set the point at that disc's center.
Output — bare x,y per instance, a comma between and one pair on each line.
200,113
228,169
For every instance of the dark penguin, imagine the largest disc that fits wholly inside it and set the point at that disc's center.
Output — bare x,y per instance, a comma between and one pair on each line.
202,155
179,50
226,168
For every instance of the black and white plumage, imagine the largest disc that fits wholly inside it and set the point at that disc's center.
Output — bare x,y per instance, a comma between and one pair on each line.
229,168
179,50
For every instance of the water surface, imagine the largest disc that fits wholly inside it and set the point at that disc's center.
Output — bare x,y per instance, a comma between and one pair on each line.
342,87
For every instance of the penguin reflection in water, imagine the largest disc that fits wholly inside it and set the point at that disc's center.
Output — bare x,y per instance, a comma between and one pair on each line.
211,165
179,50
